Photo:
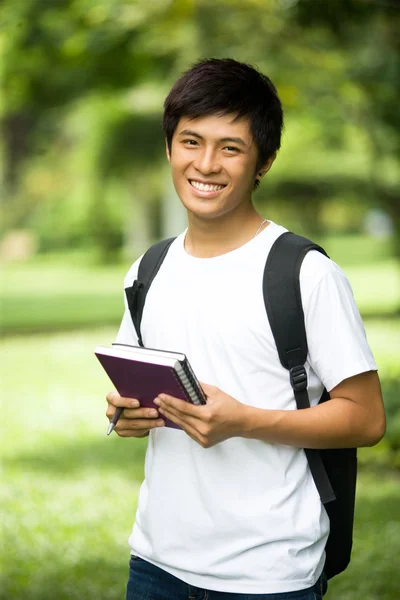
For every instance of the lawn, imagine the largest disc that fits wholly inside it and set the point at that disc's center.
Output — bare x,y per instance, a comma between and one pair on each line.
70,493
64,292
49,293
70,497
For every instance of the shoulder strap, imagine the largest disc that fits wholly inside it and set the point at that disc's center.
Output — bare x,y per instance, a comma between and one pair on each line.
282,297
148,269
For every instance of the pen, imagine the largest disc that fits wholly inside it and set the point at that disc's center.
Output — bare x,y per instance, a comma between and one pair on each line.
114,420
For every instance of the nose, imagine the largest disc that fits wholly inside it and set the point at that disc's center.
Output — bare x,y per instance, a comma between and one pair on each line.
206,162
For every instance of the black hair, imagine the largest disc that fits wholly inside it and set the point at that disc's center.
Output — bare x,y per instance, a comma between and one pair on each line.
225,86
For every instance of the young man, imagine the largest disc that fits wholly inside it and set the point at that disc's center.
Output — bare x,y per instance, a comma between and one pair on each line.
228,508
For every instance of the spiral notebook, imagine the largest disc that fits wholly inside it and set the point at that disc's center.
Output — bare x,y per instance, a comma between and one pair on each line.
143,373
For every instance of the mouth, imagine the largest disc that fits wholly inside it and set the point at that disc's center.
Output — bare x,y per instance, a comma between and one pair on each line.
206,188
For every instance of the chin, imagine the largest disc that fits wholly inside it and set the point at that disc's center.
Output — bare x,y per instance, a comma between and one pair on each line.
200,207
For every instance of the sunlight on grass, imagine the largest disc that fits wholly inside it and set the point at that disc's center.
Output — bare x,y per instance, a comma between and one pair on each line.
46,295
384,339
376,287
52,293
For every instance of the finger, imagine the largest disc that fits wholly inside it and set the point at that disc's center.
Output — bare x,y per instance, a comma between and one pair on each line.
188,423
184,421
140,433
141,413
133,413
179,406
137,424
116,400
110,411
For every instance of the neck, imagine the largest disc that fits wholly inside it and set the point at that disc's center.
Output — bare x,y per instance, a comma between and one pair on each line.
209,238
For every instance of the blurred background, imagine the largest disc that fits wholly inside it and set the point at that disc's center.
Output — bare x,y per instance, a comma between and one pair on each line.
85,189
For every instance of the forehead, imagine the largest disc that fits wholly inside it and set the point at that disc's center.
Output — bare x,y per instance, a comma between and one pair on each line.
217,127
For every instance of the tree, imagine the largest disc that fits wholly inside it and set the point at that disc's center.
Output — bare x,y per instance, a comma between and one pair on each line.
367,30
56,51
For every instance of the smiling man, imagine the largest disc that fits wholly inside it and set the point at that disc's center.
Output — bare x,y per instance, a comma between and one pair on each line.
228,508
214,159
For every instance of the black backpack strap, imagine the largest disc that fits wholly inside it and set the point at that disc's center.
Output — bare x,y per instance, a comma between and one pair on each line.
148,269
282,297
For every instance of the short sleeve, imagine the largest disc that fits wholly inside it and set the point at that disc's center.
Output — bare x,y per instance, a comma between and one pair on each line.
337,342
127,333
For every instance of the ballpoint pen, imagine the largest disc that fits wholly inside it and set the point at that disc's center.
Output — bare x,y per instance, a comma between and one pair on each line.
114,420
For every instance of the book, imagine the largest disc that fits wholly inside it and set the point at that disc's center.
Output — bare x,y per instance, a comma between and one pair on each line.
143,373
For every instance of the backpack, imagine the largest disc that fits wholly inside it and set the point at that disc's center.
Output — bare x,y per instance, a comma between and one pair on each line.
334,470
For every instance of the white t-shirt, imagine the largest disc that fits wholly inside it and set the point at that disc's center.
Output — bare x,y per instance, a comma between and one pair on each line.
243,516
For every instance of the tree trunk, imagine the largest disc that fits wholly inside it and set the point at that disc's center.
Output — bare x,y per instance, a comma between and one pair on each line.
390,201
16,130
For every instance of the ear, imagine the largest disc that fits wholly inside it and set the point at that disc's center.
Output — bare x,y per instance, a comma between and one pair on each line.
167,151
266,167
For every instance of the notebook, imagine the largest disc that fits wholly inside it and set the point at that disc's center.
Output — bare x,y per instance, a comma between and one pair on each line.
143,373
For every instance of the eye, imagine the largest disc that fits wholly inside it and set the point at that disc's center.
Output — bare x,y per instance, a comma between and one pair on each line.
190,142
231,149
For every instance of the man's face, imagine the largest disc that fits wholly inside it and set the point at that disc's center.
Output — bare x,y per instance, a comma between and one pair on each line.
213,161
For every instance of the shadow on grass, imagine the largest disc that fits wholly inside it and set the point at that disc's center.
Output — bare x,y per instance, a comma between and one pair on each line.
114,454
55,578
372,573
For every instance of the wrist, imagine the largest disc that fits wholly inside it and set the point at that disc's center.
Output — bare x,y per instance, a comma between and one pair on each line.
251,420
262,424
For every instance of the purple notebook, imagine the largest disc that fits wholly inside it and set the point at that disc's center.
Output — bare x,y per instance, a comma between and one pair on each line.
143,373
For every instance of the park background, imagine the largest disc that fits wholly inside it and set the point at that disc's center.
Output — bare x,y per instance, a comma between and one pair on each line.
85,189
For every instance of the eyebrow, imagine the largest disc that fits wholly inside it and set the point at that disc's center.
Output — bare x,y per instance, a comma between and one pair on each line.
235,140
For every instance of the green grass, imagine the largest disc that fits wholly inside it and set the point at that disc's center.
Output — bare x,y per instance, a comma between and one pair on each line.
376,288
70,497
50,294
69,492
357,249
54,293
383,337
372,573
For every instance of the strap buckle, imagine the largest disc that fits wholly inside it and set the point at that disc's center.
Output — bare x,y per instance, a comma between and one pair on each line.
298,378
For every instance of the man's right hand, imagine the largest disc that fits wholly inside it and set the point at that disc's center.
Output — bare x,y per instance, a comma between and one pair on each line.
134,421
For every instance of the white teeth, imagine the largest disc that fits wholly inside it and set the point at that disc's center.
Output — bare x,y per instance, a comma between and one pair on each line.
205,187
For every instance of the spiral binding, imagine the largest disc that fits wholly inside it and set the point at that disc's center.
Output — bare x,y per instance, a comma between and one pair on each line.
189,381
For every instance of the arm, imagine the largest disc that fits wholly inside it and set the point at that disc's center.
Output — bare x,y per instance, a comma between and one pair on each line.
353,417
340,356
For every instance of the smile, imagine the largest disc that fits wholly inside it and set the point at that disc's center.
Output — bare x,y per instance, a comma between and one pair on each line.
206,187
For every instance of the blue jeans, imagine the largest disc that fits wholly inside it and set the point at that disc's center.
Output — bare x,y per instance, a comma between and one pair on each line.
147,582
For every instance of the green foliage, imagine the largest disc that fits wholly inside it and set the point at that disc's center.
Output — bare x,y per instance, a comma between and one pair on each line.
391,394
84,82
360,29
383,337
84,45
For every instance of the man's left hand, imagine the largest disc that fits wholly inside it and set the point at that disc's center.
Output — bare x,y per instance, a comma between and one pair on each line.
221,418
